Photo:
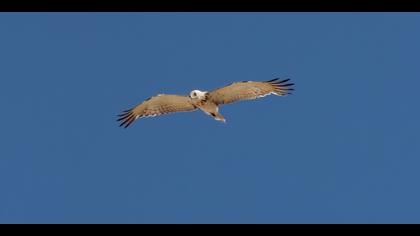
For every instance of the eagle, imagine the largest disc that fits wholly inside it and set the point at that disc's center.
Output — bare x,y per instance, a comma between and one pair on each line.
208,102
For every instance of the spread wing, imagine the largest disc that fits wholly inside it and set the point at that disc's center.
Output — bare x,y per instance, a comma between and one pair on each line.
248,90
157,105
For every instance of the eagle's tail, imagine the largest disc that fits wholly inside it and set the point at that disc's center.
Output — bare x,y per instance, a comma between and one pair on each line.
219,117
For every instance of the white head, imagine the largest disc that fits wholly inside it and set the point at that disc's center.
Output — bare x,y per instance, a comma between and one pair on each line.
197,94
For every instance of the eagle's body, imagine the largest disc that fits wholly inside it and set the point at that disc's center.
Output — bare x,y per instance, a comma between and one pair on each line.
208,102
211,109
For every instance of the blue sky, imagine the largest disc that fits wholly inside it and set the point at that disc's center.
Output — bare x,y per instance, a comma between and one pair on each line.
344,148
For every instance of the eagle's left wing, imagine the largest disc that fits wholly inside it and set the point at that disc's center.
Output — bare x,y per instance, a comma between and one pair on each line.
248,90
157,105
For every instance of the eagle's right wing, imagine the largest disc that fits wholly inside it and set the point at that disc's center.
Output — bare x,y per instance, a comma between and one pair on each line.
248,90
157,105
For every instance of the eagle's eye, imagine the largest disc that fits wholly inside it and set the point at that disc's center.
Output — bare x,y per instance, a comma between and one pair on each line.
195,94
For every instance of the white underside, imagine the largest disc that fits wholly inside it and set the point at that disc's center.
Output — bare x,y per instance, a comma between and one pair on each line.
147,116
268,94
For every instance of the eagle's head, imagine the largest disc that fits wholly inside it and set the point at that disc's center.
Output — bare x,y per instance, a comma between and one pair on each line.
197,94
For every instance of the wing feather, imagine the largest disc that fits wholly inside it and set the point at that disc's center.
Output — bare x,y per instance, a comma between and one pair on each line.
157,105
248,90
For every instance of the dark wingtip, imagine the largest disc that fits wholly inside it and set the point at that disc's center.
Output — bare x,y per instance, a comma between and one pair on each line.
283,81
280,82
125,116
124,113
129,123
122,118
269,81
283,88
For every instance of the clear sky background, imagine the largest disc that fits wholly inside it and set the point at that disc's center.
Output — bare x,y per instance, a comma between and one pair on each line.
344,148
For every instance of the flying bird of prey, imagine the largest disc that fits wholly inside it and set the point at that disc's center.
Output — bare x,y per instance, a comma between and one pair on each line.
208,102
